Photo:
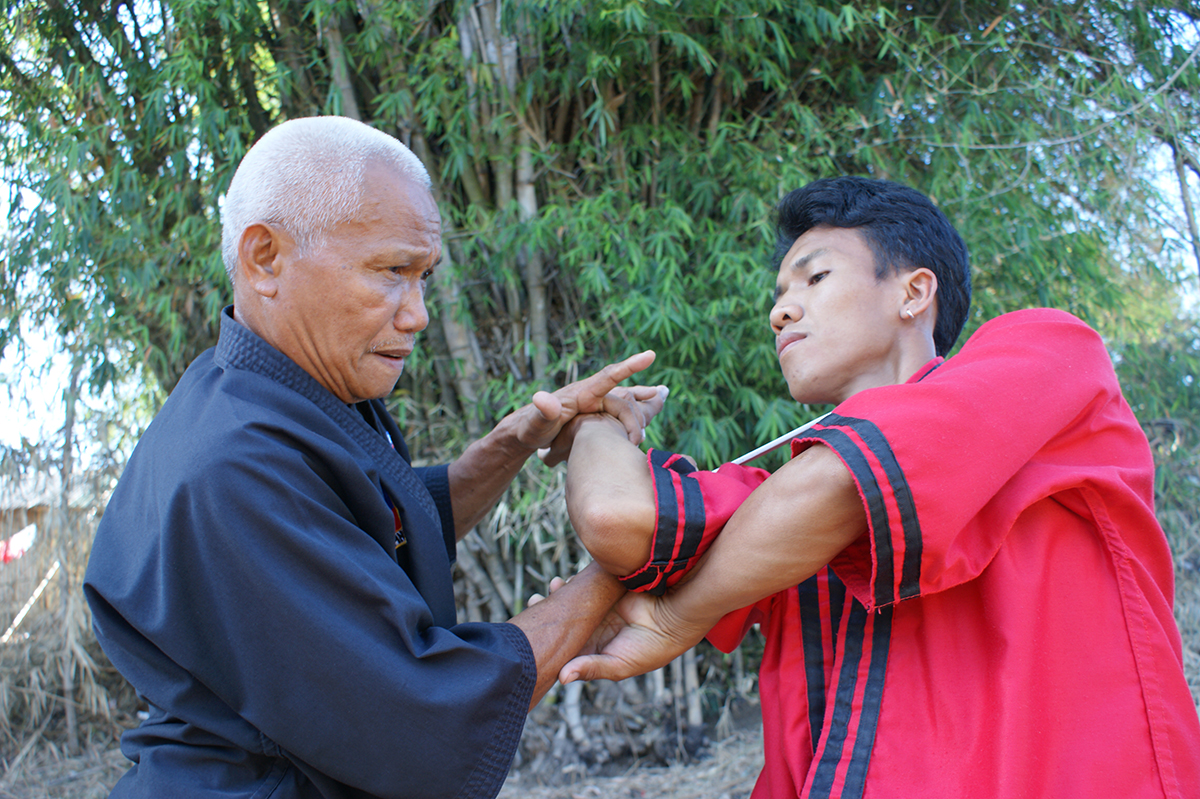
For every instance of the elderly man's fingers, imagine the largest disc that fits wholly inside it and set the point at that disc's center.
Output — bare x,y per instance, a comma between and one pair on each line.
559,449
548,405
589,392
648,393
629,414
635,407
539,424
541,420
555,584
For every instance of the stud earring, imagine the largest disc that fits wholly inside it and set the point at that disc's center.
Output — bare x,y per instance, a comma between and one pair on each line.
909,312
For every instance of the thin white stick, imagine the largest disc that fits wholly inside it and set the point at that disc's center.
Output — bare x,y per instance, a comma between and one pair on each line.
779,442
21,616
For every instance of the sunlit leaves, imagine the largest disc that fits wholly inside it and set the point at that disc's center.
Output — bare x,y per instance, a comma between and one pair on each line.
661,135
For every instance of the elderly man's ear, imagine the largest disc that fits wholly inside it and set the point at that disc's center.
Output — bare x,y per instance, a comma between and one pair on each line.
261,252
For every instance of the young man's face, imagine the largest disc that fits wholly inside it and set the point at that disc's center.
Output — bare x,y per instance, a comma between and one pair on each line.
837,329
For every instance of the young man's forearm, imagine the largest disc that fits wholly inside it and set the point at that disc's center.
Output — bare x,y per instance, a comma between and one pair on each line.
790,527
610,498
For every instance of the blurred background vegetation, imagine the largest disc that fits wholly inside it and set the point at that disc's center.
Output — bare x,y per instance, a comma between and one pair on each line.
606,172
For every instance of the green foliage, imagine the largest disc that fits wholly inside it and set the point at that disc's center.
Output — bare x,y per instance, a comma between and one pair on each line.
1160,375
606,172
655,137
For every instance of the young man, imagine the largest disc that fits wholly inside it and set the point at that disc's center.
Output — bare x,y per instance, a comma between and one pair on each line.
959,575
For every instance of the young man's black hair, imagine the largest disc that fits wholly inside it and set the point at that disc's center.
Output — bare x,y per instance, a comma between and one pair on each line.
903,228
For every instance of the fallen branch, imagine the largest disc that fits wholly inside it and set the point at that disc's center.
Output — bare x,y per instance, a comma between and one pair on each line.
37,593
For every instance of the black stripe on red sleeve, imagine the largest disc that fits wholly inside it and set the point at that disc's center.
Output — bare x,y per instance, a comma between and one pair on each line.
876,511
675,543
693,525
872,436
668,508
877,444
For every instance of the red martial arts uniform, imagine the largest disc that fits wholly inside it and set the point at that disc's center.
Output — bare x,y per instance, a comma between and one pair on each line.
1004,629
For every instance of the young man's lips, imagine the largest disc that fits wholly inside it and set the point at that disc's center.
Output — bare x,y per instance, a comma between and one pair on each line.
785,339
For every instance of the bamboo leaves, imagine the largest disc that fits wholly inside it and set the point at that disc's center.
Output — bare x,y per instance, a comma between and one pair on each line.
606,171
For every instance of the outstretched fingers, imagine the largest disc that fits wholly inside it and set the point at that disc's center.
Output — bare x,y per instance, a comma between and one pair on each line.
543,424
588,394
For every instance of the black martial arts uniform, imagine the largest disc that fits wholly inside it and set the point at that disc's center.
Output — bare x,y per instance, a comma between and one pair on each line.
273,577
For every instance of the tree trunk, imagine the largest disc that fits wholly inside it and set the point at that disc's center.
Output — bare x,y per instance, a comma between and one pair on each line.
342,87
66,545
535,277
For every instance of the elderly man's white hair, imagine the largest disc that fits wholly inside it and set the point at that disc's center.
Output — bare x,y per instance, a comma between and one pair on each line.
306,175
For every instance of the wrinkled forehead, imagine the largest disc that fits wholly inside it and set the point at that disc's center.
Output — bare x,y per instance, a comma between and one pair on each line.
389,192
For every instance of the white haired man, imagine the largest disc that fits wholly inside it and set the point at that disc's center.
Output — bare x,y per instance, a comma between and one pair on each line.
271,574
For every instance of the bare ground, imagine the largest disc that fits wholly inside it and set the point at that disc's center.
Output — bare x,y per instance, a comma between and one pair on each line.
727,771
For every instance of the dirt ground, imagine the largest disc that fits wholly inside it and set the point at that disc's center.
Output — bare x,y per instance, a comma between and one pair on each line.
727,771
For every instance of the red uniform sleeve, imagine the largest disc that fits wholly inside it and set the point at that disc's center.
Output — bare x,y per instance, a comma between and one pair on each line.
946,462
692,508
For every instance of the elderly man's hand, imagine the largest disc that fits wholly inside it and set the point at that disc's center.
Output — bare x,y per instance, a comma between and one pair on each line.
544,423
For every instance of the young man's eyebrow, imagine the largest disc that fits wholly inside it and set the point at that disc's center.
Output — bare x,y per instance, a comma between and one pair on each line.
801,263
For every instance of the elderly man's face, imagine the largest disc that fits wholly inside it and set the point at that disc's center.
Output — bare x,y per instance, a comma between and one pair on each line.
348,311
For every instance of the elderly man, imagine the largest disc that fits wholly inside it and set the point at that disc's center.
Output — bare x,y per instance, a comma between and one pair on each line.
271,574
959,575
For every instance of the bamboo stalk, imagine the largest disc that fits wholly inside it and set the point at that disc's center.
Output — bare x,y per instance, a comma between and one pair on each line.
691,687
340,73
534,269
65,543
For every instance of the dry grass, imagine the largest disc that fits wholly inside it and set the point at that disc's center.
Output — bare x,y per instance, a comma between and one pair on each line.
1185,543
39,759
728,771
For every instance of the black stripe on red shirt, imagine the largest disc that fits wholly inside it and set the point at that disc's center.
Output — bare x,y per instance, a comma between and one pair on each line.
845,723
872,436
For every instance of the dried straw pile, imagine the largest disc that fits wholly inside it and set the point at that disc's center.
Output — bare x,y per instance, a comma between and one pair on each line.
630,739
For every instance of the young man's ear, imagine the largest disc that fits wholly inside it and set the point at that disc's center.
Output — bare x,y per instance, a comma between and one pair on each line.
260,260
920,290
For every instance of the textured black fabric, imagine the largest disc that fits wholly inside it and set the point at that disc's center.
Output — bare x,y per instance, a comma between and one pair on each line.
245,578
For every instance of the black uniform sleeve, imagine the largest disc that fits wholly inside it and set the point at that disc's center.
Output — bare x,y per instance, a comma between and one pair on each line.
437,480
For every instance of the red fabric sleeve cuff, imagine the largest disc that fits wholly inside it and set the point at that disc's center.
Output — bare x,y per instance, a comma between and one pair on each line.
692,508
